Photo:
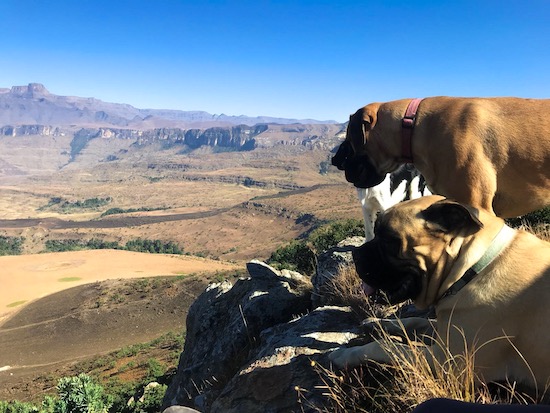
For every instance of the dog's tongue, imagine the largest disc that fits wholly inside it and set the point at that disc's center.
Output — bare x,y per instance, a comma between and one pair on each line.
367,289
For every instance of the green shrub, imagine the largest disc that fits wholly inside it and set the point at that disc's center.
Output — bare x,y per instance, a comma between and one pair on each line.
60,245
17,407
155,369
300,255
139,245
68,206
152,400
327,236
153,246
295,256
11,245
81,394
113,211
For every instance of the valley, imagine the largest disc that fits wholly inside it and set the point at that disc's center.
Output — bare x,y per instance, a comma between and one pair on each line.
229,197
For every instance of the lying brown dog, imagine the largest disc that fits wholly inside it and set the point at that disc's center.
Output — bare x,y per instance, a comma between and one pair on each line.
490,286
491,153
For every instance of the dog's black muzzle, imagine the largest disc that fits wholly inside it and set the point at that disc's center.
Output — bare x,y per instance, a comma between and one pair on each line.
397,283
359,169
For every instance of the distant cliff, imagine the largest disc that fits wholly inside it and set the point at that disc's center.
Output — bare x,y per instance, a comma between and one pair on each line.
34,104
25,130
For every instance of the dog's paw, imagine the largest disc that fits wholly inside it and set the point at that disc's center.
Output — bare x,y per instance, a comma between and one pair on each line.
349,357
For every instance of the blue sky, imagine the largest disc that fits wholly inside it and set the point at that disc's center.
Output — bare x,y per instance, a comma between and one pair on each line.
297,59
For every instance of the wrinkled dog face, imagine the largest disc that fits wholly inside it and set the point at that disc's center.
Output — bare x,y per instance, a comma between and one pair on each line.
382,264
351,158
409,241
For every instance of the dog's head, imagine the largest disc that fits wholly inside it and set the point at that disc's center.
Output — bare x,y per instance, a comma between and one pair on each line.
352,155
411,240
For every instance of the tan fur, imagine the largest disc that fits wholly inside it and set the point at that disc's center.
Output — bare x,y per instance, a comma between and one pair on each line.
492,153
502,314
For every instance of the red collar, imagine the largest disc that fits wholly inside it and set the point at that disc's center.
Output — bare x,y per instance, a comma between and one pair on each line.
407,126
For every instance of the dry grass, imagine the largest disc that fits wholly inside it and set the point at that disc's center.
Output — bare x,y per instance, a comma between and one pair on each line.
345,290
413,376
541,231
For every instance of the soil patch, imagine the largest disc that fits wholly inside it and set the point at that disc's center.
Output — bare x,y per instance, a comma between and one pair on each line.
28,277
47,338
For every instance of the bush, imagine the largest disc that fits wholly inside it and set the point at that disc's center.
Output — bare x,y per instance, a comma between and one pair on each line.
300,255
60,245
68,206
113,211
81,394
139,245
17,407
11,245
295,256
155,369
329,235
153,246
151,401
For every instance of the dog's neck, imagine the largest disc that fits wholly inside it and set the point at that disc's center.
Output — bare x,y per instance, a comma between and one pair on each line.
501,241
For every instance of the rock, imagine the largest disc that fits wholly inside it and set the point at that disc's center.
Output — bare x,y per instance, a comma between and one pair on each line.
179,409
262,344
224,325
329,265
282,365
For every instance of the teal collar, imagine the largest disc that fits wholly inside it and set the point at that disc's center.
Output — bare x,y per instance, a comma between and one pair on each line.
501,241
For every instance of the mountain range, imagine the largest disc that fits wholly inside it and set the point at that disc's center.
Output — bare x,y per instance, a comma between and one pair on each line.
35,105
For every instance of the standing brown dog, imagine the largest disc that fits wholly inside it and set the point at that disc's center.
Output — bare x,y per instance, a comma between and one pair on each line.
490,286
492,153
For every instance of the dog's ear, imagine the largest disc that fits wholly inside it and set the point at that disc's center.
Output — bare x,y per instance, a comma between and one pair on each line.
369,118
360,123
450,216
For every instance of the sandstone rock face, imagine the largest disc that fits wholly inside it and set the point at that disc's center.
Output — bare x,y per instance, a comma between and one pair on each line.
251,346
25,130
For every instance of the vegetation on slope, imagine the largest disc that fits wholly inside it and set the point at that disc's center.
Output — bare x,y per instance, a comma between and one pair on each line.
114,383
67,207
11,245
139,245
300,255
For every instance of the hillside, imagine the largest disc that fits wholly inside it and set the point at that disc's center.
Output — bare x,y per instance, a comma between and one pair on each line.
66,332
35,105
232,192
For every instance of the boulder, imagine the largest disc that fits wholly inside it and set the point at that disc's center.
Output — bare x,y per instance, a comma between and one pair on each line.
224,326
281,375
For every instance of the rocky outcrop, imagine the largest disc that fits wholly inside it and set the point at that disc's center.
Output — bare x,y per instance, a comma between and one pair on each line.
224,325
241,137
32,90
25,130
238,137
253,346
